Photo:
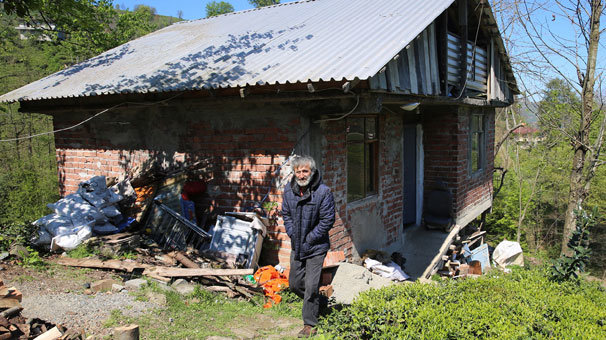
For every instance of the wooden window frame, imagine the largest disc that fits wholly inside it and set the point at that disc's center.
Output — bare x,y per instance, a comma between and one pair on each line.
480,134
371,171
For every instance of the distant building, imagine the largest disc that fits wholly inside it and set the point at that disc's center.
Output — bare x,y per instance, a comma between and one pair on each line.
27,31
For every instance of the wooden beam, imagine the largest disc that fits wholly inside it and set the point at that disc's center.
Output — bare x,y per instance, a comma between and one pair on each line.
96,263
464,32
193,272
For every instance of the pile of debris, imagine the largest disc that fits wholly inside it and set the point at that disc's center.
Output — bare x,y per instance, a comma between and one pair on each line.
15,326
165,265
92,209
466,257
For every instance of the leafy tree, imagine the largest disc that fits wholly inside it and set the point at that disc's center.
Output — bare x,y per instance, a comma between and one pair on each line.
263,3
550,50
214,8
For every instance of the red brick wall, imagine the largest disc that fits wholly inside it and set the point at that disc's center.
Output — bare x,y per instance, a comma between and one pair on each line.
241,150
387,203
446,146
240,154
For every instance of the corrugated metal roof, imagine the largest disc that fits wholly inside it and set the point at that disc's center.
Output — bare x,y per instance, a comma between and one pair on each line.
294,42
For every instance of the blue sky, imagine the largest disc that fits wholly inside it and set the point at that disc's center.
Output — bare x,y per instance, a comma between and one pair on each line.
192,9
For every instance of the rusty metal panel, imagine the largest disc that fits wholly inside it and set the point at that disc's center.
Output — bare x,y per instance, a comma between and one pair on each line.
306,41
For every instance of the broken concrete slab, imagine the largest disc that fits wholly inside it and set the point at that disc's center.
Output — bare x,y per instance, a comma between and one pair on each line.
350,280
135,283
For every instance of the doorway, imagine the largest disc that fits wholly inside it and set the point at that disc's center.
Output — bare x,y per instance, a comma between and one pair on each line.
413,174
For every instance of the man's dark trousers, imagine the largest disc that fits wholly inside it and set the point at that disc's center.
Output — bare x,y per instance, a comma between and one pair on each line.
304,280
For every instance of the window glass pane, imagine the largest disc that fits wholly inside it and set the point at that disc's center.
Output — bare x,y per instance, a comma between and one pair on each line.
474,123
355,171
480,123
355,130
371,129
370,167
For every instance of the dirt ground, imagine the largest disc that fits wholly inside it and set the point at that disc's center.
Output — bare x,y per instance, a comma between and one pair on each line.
56,282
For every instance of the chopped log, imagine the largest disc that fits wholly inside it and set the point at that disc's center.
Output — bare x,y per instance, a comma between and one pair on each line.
9,303
11,311
130,332
6,336
52,334
193,272
10,293
183,259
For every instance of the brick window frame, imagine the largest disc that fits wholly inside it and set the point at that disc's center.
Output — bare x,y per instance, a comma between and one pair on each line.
362,143
477,143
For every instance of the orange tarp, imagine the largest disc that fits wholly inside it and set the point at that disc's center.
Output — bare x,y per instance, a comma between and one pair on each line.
272,282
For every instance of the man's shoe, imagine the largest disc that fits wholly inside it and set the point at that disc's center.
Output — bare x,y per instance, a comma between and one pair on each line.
307,331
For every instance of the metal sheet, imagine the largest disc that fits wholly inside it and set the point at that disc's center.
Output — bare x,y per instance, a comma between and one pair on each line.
303,41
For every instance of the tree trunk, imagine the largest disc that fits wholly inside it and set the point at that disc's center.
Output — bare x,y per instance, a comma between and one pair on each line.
579,180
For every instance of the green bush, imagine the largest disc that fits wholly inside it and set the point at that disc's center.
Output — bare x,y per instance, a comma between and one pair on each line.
567,267
522,305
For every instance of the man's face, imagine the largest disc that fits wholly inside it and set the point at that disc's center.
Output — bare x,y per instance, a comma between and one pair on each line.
303,175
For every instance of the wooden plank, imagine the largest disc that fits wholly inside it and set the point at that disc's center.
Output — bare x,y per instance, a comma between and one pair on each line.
52,334
96,263
420,63
382,80
443,52
463,30
433,61
427,61
404,71
434,265
412,66
387,73
193,272
394,79
374,82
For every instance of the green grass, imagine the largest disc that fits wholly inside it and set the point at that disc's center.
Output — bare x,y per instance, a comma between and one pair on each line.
203,314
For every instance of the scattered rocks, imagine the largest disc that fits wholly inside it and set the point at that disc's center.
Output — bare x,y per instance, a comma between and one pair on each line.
135,283
183,287
117,287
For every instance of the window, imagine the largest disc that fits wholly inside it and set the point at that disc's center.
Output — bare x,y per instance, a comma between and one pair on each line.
477,143
362,157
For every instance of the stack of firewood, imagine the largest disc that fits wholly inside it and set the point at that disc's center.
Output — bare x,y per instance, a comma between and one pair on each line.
454,262
15,326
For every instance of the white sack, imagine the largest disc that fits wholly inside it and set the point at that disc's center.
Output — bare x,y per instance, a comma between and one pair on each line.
508,253
71,241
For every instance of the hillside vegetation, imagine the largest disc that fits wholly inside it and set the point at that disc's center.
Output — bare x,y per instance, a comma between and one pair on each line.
28,172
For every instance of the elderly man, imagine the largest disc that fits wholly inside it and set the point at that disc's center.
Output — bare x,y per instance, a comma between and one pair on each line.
308,210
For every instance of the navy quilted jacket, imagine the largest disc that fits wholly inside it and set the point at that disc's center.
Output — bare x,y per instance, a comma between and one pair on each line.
308,217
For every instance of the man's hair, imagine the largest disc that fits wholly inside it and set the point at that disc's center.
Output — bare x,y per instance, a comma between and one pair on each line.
304,160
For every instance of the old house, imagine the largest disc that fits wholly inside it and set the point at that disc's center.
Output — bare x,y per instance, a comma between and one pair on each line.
391,97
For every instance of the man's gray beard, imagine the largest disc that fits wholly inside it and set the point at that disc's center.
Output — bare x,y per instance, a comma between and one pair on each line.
303,183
